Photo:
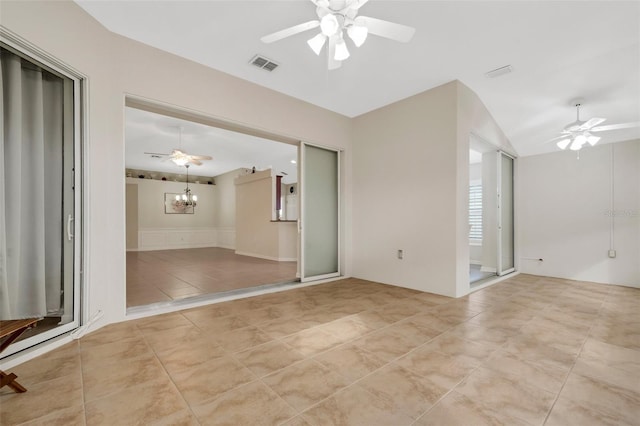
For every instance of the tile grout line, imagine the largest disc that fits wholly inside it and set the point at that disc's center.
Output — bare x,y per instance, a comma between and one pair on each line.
501,347
175,386
572,367
351,341
84,399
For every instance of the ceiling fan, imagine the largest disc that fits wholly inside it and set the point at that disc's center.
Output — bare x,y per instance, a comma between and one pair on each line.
337,17
180,157
578,133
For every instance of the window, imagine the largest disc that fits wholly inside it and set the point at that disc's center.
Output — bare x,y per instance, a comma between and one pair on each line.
475,213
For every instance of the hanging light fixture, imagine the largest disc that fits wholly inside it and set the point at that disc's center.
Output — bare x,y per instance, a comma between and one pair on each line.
187,199
329,24
342,52
577,141
317,43
357,33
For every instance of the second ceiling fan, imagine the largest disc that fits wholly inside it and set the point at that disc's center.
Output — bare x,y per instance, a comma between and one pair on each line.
577,134
337,18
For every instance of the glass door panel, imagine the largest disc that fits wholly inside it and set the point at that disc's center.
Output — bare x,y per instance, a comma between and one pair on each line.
319,221
505,215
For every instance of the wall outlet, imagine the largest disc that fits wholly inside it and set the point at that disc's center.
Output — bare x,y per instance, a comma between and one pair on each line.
612,254
400,254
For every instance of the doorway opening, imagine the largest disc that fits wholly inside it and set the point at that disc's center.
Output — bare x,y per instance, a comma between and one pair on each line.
244,228
240,232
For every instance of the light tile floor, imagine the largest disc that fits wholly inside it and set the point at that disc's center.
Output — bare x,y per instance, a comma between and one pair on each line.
527,351
164,275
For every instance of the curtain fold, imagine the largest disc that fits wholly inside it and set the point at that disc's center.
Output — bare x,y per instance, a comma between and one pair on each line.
31,194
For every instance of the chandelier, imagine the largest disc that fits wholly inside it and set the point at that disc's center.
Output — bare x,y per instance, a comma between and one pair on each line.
187,199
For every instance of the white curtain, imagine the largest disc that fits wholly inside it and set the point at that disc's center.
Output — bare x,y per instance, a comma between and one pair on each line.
31,162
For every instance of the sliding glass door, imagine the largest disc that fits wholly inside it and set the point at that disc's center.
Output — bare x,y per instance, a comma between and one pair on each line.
319,223
505,215
39,195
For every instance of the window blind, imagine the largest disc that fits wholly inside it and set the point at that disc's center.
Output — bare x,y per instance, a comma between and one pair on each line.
475,212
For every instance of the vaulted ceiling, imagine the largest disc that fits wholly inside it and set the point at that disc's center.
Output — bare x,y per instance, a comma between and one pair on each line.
558,50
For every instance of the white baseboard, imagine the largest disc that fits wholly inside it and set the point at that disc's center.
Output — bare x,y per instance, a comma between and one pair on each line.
260,256
488,269
475,262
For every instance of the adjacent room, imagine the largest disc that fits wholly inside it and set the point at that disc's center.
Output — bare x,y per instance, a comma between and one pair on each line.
231,225
319,212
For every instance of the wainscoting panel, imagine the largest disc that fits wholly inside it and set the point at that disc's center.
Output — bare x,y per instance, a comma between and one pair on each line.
227,238
176,238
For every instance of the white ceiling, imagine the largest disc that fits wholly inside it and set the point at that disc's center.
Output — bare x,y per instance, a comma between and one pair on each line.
149,132
559,50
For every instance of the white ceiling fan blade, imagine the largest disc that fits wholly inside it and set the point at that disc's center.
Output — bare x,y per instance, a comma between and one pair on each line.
201,157
196,162
156,153
391,30
331,53
287,32
616,126
563,136
591,123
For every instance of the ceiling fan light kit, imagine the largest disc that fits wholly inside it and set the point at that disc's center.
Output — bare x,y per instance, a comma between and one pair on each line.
342,52
358,34
317,43
337,17
179,158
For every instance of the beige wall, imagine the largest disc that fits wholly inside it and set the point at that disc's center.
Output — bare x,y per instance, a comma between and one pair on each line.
287,241
256,235
405,193
116,66
225,206
565,214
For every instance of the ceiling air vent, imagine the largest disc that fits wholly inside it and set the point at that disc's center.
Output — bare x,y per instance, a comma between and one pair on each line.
499,71
264,63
